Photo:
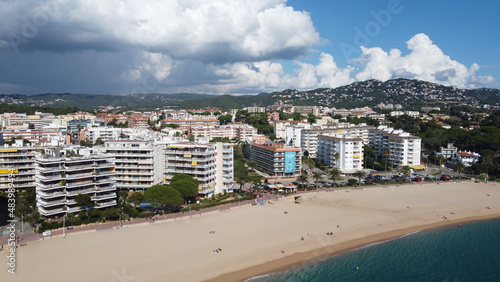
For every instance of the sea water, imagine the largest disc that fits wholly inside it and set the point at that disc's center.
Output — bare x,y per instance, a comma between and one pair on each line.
467,252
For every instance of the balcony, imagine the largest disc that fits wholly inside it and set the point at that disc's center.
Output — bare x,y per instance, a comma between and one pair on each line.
50,194
79,183
79,175
51,203
49,212
103,197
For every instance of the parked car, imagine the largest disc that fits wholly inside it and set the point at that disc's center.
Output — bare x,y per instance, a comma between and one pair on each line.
445,177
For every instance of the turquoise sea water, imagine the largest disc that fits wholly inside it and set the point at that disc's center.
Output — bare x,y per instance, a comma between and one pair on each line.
467,253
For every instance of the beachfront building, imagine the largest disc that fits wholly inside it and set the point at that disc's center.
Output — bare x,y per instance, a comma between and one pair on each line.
467,158
60,179
140,164
342,151
210,163
403,147
276,159
309,137
17,168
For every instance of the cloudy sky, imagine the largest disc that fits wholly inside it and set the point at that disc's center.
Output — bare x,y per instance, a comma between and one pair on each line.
243,46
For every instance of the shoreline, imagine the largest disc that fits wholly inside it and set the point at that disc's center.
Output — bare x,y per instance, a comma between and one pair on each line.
241,242
319,254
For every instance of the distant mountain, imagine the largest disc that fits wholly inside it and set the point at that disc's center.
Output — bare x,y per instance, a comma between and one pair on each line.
406,92
93,101
410,93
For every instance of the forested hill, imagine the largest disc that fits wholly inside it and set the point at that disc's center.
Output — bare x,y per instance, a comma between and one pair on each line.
411,94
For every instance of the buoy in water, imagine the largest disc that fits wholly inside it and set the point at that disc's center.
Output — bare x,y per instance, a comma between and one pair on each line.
357,267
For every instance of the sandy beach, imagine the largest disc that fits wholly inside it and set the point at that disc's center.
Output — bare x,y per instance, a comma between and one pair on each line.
245,241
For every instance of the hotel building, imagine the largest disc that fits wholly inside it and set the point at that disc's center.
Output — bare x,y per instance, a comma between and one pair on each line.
276,159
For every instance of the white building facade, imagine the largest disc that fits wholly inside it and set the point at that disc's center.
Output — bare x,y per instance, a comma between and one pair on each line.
60,180
139,164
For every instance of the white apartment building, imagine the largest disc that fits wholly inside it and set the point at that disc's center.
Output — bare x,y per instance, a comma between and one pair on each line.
105,133
17,167
404,148
237,131
309,137
210,163
139,164
59,180
348,149
280,127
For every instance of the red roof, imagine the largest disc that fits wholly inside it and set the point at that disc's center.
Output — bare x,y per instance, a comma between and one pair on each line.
465,154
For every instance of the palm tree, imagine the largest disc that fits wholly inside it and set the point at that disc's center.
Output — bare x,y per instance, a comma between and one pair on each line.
334,175
302,178
337,158
441,160
317,176
460,168
406,170
387,154
360,174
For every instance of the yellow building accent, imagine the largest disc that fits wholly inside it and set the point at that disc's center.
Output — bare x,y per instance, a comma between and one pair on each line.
145,163
187,156
340,131
7,171
7,151
178,147
211,186
357,157
194,163
200,188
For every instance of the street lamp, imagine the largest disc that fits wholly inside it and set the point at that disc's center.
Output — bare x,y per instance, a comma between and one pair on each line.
121,221
189,205
64,225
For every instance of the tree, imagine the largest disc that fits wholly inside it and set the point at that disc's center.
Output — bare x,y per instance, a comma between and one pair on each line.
163,195
386,153
135,197
406,170
317,176
99,142
367,151
460,168
360,174
252,165
185,184
255,178
334,175
441,160
302,178
84,200
224,119
337,158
